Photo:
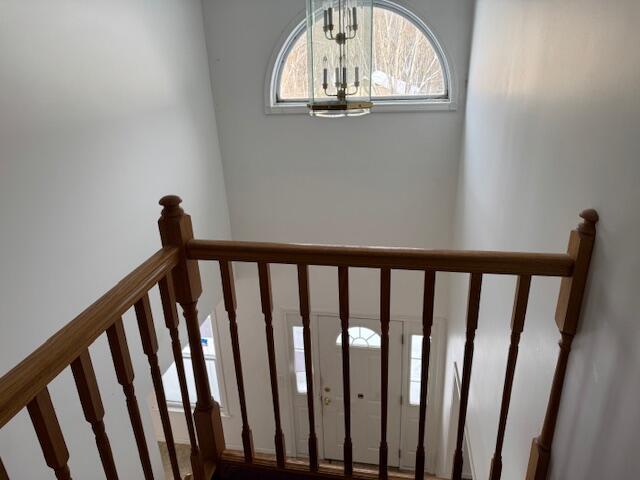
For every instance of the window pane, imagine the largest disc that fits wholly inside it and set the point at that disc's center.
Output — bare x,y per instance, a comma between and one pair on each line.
208,347
359,342
416,368
213,379
301,382
206,336
170,377
171,385
298,339
404,62
293,80
416,346
298,361
375,341
414,393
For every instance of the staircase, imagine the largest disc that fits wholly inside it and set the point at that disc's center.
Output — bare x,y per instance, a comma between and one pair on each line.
175,271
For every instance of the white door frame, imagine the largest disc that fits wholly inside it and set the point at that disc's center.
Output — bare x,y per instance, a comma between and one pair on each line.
411,325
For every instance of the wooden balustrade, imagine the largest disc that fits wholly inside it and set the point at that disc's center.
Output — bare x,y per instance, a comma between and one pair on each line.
507,263
473,309
385,319
20,385
168,299
229,293
570,298
267,310
343,293
93,409
175,270
517,325
125,375
150,349
305,313
427,324
176,230
45,423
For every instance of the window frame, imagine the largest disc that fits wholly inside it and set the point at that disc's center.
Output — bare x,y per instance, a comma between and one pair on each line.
448,102
217,365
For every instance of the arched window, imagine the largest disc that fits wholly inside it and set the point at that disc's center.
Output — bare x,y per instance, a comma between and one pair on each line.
409,68
361,337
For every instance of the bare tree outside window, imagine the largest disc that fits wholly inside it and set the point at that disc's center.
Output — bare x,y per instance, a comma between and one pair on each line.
404,64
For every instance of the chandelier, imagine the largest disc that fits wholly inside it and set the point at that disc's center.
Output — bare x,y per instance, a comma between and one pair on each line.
339,37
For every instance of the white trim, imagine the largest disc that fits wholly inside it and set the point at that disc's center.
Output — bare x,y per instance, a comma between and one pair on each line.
401,7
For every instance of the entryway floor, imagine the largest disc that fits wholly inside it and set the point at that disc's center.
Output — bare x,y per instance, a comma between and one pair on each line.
184,462
183,452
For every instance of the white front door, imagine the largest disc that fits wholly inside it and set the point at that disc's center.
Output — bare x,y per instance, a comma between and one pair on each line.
365,358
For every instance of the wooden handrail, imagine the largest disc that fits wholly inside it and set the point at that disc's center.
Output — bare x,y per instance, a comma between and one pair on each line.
510,263
175,270
20,385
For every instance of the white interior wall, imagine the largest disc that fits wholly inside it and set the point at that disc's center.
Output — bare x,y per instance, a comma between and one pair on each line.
384,179
552,128
105,106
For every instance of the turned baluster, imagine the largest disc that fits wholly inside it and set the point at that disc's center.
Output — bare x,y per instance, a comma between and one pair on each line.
385,318
581,242
267,309
473,309
517,325
124,374
305,313
229,293
150,349
176,230
167,295
93,410
45,423
427,324
343,293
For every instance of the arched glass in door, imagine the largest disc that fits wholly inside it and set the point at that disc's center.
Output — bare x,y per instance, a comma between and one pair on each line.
361,337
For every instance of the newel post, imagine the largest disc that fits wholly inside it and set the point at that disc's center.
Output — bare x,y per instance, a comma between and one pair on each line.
176,230
567,316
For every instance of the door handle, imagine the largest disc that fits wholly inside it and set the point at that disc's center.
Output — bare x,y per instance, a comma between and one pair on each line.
327,401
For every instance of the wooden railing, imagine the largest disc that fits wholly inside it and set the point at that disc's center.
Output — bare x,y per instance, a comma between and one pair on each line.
26,385
175,270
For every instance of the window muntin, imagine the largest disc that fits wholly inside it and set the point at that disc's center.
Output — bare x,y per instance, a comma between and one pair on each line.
407,63
170,377
415,369
361,337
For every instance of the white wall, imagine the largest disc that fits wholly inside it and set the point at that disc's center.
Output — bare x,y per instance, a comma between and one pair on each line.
105,106
383,179
552,128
